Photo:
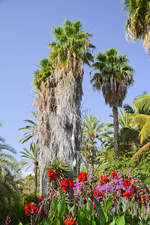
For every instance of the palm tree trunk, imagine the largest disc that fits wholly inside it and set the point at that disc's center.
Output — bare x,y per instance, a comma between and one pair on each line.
141,151
116,127
35,177
92,160
59,120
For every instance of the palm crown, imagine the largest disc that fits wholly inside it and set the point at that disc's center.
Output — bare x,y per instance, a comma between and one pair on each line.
138,23
70,39
113,75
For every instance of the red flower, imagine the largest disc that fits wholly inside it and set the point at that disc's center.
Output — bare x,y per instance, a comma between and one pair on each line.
116,177
104,179
82,177
136,188
42,197
126,183
26,209
31,209
99,194
144,198
70,221
128,194
66,184
52,175
113,174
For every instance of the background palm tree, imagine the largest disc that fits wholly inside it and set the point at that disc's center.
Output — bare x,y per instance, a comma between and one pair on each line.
138,22
92,131
9,194
113,75
58,98
31,158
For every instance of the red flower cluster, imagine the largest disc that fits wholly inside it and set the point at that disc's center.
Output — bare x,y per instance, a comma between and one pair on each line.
128,194
42,197
104,179
52,175
66,184
114,174
136,188
126,183
82,177
144,198
97,193
31,209
70,221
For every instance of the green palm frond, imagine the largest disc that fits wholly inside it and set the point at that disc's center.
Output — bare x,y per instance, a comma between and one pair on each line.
71,39
142,104
44,74
30,156
141,151
31,130
128,109
124,121
138,22
113,75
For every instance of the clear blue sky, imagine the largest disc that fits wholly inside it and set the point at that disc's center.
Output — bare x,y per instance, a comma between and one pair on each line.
26,29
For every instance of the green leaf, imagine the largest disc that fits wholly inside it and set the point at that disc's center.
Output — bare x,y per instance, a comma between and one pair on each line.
61,207
124,204
101,214
120,220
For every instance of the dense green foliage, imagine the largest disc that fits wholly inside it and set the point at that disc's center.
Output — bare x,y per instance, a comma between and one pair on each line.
138,22
71,40
44,74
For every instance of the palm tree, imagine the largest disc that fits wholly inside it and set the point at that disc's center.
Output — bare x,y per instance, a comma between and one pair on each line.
6,157
30,158
58,97
9,196
138,23
93,130
113,75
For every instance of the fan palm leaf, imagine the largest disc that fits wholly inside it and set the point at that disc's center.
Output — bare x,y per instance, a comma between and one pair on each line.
138,22
31,130
70,39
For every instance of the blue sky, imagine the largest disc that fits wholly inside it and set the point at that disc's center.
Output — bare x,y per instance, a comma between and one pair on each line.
26,29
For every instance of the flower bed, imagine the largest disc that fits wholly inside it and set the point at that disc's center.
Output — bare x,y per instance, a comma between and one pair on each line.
92,200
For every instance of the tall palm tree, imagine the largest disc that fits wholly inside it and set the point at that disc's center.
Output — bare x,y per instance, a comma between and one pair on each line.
138,22
113,75
31,158
58,97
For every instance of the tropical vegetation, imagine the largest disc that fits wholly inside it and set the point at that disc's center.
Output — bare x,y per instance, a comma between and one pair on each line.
81,170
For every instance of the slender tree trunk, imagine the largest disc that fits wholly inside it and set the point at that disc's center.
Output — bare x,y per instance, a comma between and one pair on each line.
59,119
92,160
116,127
35,177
